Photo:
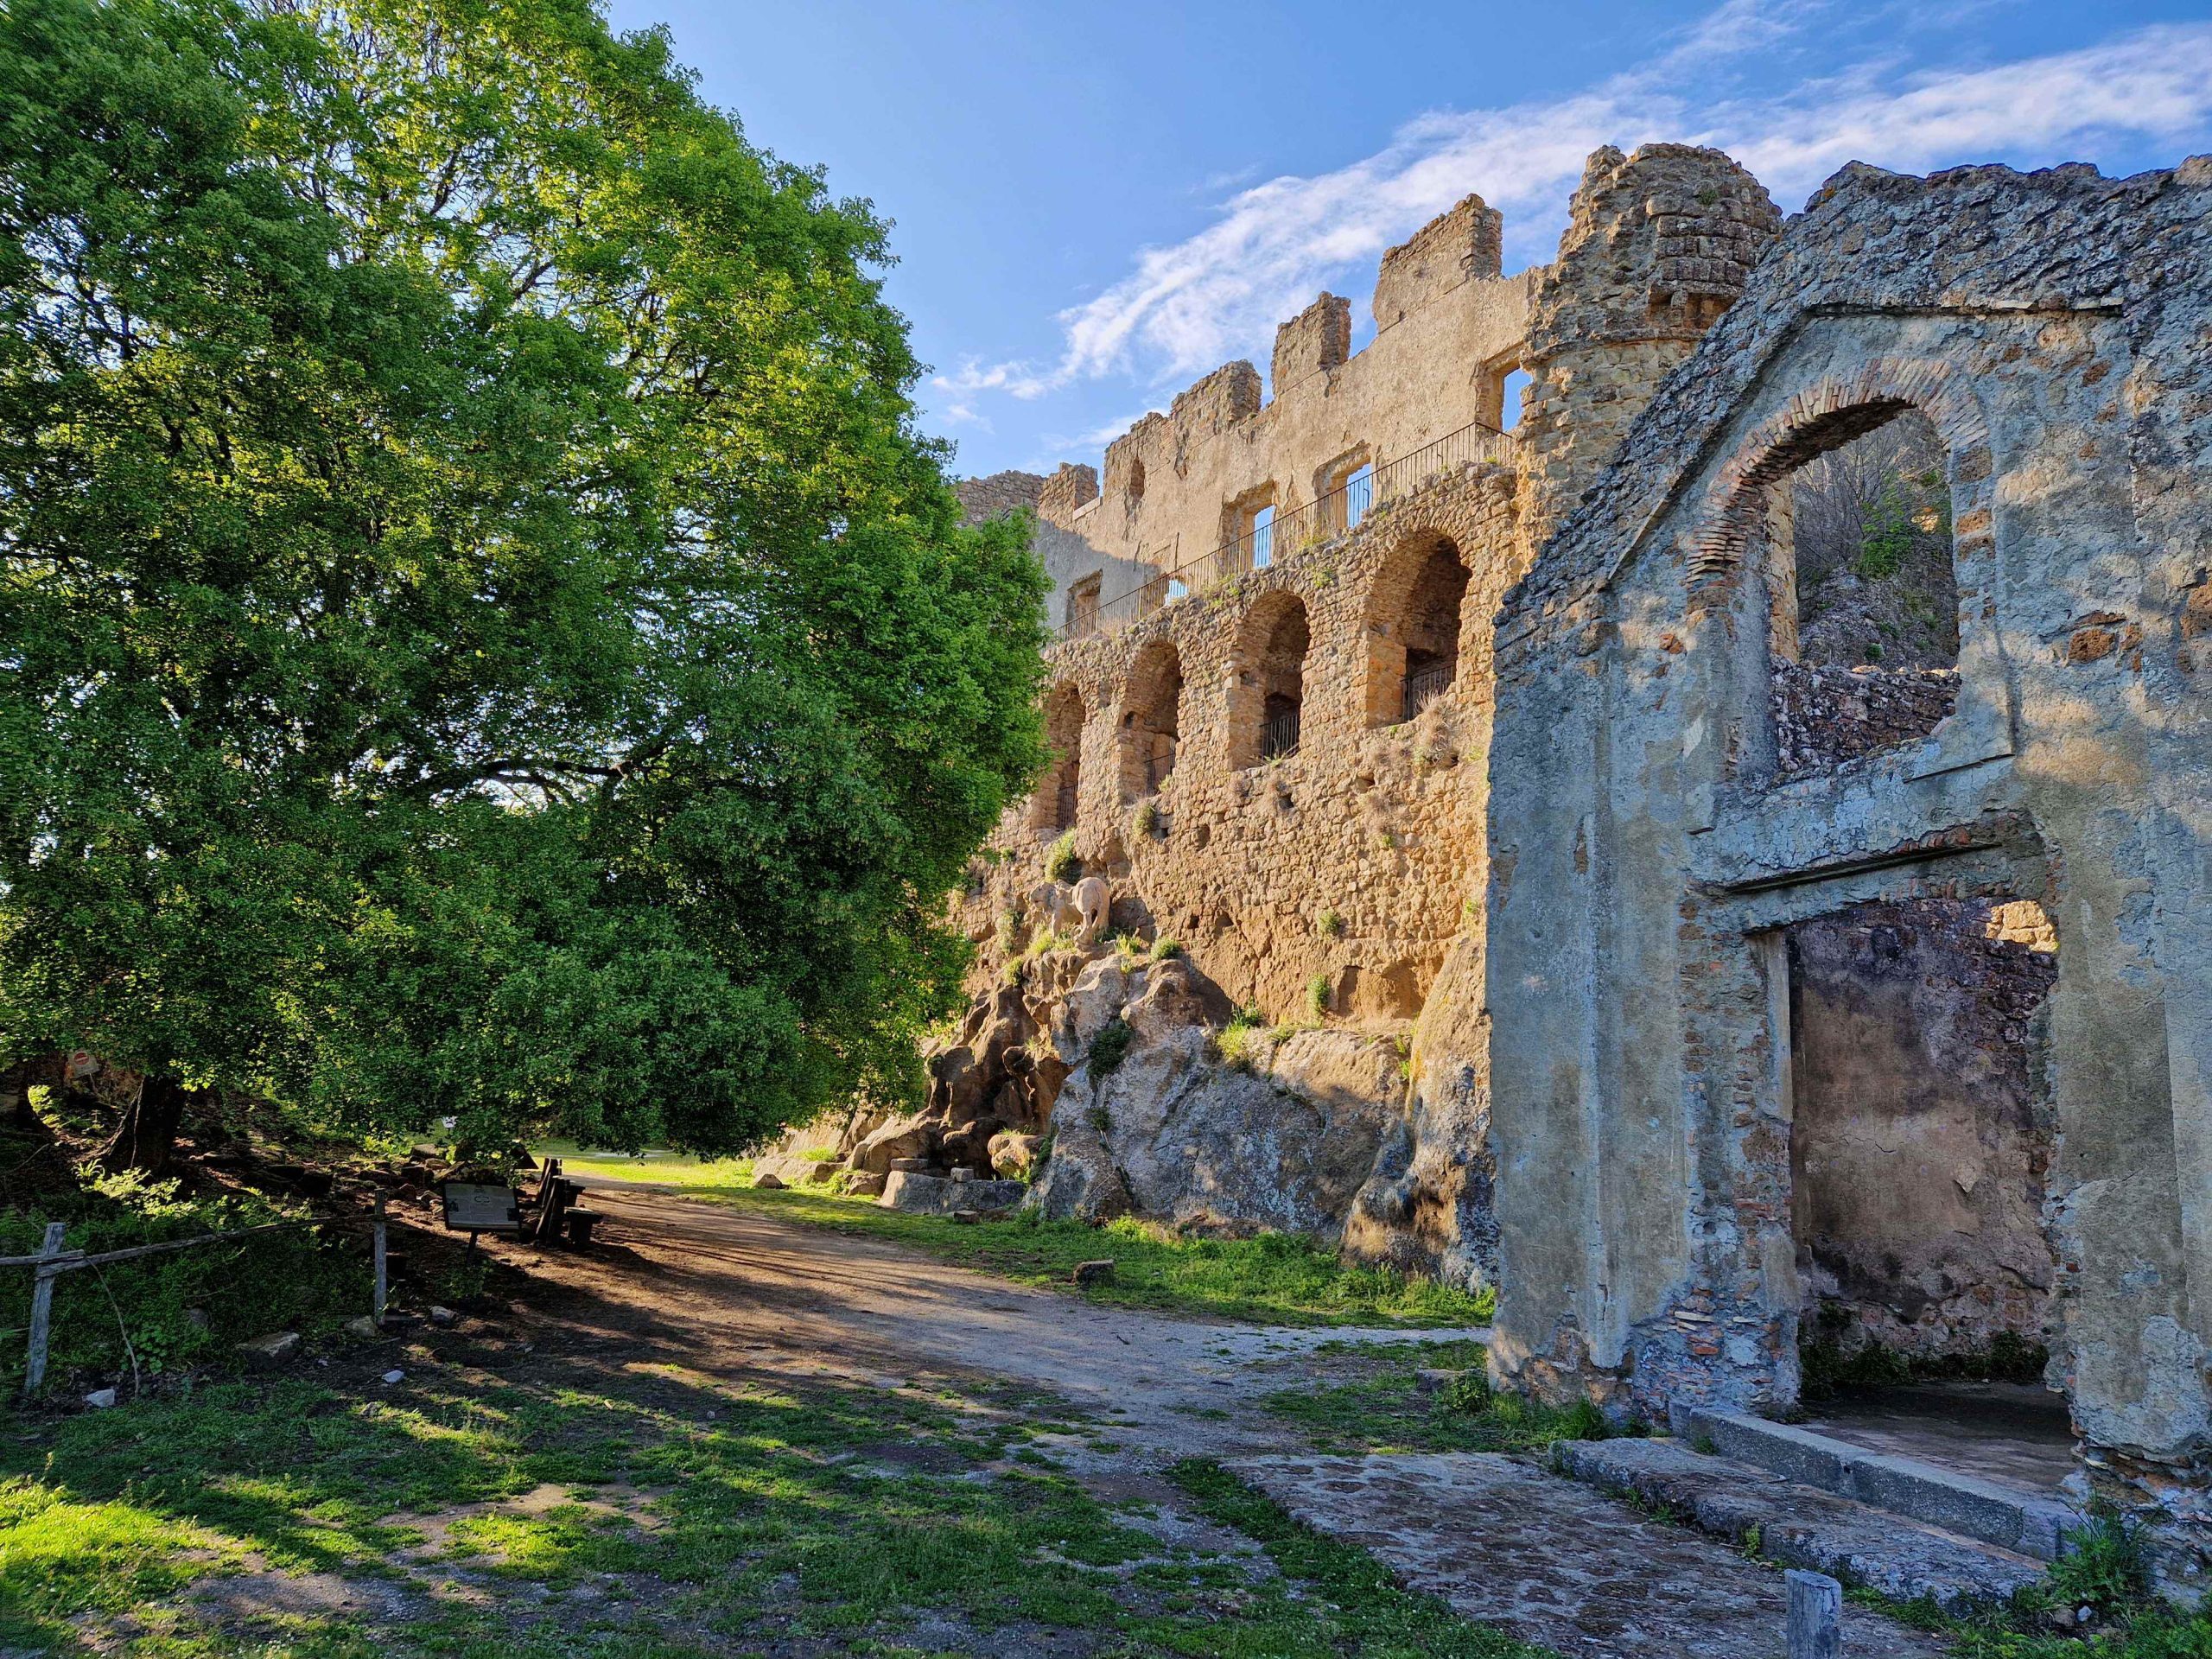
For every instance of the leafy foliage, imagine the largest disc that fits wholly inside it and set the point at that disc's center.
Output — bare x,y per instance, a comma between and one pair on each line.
479,633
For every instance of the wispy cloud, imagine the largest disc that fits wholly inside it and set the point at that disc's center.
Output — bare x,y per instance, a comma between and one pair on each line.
1186,307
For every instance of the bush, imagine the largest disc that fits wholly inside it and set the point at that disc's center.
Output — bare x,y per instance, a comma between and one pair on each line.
1148,818
1110,1047
1329,925
1317,998
1060,862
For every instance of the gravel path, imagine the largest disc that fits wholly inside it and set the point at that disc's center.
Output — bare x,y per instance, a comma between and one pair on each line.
1551,1561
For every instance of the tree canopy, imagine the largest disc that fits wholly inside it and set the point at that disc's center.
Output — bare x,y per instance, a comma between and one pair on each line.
480,634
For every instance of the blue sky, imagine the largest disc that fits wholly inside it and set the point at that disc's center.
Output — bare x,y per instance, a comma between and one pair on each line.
1095,204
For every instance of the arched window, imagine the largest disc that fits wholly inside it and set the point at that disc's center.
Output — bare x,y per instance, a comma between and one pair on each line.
1152,729
1413,617
1854,543
1267,698
1053,808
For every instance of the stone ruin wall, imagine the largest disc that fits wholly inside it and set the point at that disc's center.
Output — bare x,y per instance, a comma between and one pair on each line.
1360,860
1656,838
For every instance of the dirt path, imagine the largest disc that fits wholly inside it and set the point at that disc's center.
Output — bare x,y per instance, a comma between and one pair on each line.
720,1289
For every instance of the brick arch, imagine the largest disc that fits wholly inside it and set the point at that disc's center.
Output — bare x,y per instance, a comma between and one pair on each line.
1054,805
1155,704
1390,628
1826,415
1267,667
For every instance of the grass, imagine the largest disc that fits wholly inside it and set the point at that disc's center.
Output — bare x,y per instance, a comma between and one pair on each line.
674,1168
1386,1408
1274,1277
668,1514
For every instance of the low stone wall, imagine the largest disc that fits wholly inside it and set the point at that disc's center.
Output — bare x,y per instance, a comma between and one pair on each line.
1824,716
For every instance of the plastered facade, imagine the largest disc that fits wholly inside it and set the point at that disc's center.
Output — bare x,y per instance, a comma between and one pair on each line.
1649,851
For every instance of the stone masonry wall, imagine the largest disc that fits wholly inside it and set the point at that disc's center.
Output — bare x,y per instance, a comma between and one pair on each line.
1649,851
1921,1134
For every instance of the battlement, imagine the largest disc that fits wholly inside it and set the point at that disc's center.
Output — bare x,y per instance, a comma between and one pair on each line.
1464,245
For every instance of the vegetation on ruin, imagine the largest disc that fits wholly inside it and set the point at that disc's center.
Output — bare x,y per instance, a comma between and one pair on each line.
1060,862
484,638
1110,1047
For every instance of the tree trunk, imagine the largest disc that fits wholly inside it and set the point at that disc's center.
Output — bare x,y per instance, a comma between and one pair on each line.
148,1133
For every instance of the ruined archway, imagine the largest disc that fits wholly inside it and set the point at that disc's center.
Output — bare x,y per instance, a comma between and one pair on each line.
1268,687
1413,623
1922,1142
1053,808
1152,721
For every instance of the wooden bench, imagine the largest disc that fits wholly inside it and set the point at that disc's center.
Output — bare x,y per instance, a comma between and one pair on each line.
479,1207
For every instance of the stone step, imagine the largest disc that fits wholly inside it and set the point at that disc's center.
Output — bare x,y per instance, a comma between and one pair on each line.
2003,1516
1797,1525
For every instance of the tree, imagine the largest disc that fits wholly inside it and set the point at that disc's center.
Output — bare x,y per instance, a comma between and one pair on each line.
481,635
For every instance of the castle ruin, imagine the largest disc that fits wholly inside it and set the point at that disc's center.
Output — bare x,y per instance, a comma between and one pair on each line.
1523,861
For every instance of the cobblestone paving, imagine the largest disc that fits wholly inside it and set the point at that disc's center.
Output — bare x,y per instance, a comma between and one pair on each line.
1554,1562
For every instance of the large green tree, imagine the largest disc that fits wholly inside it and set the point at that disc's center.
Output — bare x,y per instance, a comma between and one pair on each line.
481,635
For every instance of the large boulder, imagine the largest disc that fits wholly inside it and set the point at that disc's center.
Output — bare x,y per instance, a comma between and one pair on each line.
1094,1002
902,1137
1175,1133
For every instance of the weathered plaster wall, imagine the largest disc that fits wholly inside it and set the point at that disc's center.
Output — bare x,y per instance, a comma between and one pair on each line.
1644,860
1921,1132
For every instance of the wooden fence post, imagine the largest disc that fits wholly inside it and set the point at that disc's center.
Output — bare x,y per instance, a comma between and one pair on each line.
381,1283
41,1310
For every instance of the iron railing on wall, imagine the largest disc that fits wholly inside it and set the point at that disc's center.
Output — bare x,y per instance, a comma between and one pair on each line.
1279,735
1294,529
1425,685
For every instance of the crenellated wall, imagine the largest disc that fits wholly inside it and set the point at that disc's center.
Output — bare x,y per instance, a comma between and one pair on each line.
1357,862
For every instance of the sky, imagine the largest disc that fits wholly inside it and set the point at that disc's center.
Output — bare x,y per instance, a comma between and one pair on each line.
1094,205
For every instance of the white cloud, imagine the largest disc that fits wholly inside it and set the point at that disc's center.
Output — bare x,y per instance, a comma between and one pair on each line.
1185,307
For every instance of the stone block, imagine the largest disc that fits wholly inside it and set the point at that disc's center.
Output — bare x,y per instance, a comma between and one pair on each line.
269,1352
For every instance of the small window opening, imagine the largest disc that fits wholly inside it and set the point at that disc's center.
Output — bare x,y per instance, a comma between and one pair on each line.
1133,496
1263,538
1513,394
1863,604
1082,617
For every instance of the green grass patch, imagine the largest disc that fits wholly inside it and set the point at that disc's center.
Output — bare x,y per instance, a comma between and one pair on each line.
1352,1605
691,1515
672,1168
1275,1277
1383,1407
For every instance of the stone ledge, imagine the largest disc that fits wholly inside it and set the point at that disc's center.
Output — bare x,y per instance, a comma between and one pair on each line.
934,1195
1799,1525
1981,1509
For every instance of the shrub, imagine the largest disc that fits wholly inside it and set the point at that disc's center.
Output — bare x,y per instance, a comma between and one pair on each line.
1329,925
1148,818
1164,949
1060,862
1110,1047
1239,1040
2103,1567
1317,998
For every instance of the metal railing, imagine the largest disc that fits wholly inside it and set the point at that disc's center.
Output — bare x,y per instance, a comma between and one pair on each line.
1279,735
1291,530
1425,685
